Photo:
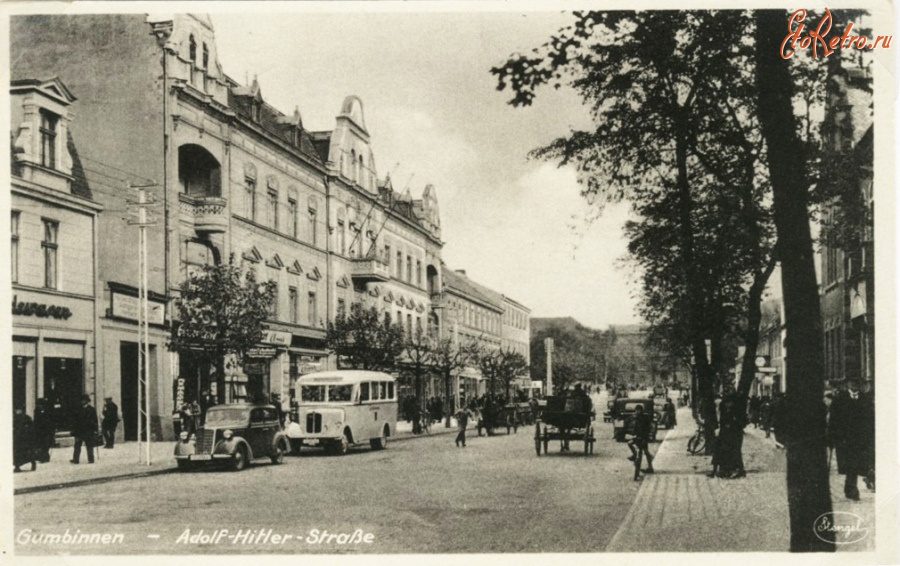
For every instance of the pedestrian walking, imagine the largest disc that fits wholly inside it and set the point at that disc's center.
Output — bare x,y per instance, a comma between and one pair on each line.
206,401
84,429
44,431
639,443
851,430
462,420
279,410
109,423
23,441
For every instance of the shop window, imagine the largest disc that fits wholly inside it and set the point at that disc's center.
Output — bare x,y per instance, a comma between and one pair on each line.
49,123
50,246
199,172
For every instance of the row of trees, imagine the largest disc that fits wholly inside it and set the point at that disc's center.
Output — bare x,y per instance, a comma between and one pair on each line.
364,339
715,141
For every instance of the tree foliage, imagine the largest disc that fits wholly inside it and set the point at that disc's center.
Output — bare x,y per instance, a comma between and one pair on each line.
501,367
364,339
221,311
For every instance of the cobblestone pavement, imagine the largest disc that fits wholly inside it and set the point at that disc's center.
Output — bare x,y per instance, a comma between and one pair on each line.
680,509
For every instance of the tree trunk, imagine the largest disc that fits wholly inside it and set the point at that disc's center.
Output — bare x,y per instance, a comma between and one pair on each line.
807,472
220,376
448,390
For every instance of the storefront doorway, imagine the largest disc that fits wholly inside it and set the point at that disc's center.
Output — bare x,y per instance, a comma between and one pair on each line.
21,366
63,388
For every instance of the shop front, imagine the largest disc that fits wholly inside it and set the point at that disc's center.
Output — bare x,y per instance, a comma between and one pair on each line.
53,340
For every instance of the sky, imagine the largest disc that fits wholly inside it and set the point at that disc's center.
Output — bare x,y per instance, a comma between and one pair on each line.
435,117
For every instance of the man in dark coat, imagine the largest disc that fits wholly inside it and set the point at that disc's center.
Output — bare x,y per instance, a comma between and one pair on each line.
84,428
44,431
110,422
851,430
23,441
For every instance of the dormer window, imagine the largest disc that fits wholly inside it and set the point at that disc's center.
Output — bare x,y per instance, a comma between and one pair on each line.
205,56
49,122
192,44
255,107
295,136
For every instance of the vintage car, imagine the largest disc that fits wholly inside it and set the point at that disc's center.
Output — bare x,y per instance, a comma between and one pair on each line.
623,411
234,435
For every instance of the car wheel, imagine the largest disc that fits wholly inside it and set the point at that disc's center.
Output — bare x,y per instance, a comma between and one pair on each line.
379,443
280,449
341,447
239,460
185,466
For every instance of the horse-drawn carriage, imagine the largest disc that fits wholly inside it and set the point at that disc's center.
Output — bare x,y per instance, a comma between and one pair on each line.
511,416
566,419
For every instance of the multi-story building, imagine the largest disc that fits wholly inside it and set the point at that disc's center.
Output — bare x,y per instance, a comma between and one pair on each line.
847,261
515,331
232,178
52,253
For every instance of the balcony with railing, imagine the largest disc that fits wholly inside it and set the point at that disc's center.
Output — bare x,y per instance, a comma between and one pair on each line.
207,213
372,267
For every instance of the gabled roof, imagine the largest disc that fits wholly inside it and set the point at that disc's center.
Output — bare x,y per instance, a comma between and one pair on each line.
52,87
465,286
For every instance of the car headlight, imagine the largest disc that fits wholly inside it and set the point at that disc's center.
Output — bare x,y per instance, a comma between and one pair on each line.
183,436
227,435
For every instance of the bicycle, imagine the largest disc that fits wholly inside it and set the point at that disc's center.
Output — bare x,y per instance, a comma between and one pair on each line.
425,422
697,443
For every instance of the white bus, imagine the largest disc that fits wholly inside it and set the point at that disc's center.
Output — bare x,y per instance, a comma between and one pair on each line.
339,408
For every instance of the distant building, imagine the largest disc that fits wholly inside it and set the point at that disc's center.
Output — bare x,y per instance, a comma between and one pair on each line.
52,254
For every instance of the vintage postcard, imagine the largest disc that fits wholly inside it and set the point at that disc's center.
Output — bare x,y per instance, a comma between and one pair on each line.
448,281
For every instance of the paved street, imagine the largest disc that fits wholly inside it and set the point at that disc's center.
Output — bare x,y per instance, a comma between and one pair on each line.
423,495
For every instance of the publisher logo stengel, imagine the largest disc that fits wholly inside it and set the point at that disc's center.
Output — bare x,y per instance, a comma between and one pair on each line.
843,526
817,39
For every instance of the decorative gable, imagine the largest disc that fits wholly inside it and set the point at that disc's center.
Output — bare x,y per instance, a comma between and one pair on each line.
253,255
314,274
343,282
374,291
275,262
389,297
295,268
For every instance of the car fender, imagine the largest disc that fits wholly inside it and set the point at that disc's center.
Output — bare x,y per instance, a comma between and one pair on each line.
184,448
294,430
230,446
280,436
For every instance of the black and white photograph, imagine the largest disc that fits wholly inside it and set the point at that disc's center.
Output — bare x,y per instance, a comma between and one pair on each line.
480,282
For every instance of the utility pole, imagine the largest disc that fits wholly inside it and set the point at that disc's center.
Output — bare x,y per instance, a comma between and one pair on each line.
143,389
548,347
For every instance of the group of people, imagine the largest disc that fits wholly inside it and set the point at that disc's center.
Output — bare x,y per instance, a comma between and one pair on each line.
34,437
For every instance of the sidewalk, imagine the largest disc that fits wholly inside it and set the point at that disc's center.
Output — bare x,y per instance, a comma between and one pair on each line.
121,462
679,509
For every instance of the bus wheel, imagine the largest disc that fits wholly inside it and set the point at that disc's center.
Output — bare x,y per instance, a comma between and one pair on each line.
340,447
379,443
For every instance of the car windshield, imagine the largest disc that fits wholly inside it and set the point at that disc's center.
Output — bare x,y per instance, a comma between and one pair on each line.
632,406
231,415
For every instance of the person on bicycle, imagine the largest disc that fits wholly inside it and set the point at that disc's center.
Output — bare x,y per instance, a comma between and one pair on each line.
643,425
462,420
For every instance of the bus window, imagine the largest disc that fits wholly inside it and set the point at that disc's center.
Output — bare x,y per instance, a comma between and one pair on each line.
364,391
312,393
382,389
390,390
373,388
340,393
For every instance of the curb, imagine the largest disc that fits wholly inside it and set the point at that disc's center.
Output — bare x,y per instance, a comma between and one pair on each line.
150,473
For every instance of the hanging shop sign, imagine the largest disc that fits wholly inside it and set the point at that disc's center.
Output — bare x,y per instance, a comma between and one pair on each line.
261,352
126,306
305,368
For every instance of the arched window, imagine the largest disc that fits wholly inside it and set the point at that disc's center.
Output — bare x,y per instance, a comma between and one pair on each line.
352,172
192,43
199,172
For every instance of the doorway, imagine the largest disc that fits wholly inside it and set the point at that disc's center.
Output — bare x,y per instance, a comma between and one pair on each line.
63,388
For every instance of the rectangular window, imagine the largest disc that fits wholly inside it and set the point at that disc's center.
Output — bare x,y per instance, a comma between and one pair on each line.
409,327
409,272
273,312
341,307
48,139
250,197
312,309
342,238
293,304
312,226
50,246
14,249
419,273
273,209
292,218
399,264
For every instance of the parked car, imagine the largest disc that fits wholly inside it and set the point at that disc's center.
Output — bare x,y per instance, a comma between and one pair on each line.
623,411
234,435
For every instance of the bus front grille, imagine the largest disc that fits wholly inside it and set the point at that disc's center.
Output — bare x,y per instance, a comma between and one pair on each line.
313,422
